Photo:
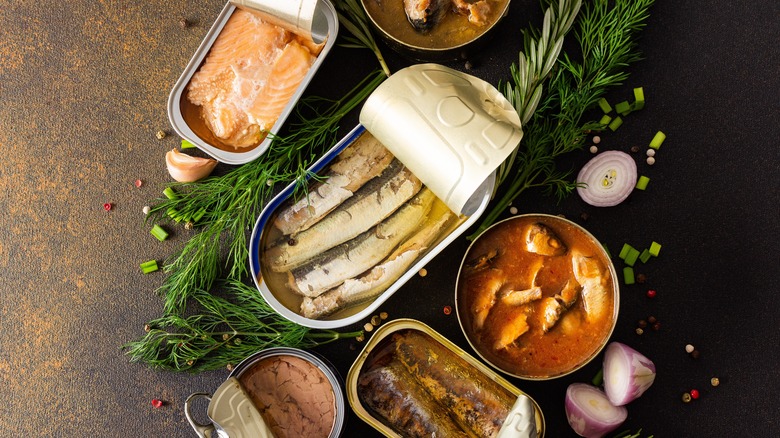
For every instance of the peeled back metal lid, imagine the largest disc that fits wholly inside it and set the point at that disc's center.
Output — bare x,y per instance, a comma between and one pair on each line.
298,16
451,129
234,415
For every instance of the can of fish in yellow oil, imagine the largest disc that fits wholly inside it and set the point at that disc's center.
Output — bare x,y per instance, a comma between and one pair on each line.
408,375
383,201
279,392
248,73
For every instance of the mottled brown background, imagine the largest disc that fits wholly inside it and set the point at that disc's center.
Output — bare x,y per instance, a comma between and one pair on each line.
83,89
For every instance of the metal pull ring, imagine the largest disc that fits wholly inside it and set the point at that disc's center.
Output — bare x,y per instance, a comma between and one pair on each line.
203,430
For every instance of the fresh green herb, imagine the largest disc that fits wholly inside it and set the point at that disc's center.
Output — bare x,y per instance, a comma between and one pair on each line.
607,33
540,52
149,266
353,17
642,182
158,232
658,140
628,434
224,333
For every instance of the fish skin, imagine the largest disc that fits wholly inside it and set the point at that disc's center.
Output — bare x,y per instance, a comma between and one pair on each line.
372,203
540,239
591,275
476,11
425,14
486,295
520,297
351,258
362,160
515,326
554,307
368,286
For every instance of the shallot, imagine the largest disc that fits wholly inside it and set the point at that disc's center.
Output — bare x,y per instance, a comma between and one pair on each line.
627,373
607,179
590,413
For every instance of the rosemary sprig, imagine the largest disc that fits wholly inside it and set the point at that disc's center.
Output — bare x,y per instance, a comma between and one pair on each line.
232,201
540,51
223,334
353,17
607,33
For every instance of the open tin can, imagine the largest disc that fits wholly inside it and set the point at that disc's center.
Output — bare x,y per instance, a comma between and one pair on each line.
328,265
320,26
278,392
408,376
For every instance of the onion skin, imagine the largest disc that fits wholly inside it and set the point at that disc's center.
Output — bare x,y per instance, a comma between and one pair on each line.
186,168
590,413
627,373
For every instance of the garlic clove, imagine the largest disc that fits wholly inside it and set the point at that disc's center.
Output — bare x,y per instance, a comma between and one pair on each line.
186,168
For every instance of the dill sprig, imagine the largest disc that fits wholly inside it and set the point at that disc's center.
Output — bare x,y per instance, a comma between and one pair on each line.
353,17
607,32
222,334
231,202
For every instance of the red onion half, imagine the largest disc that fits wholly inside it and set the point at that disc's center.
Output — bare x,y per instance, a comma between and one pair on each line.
608,179
627,373
590,413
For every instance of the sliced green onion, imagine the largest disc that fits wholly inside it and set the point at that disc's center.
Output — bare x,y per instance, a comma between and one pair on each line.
639,98
641,183
174,214
624,251
150,266
598,379
185,144
628,275
645,256
170,193
655,248
159,233
623,108
631,257
606,250
615,123
199,214
605,119
605,106
658,140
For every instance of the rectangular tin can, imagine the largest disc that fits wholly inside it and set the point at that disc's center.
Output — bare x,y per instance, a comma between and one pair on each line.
184,117
379,341
283,302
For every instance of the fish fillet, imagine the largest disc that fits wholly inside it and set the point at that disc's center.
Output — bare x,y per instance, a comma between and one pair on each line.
351,258
593,277
369,285
358,163
373,202
249,70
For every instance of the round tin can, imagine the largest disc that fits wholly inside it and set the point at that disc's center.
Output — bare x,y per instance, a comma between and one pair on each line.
300,382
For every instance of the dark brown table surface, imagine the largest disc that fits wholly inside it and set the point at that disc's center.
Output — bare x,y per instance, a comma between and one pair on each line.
83,90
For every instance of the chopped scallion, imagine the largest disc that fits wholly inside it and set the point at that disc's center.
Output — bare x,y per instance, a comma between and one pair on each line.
606,250
631,257
623,108
150,266
639,98
174,214
605,119
185,144
170,193
624,251
641,183
645,256
605,106
598,379
628,275
159,233
199,214
658,140
615,123
655,248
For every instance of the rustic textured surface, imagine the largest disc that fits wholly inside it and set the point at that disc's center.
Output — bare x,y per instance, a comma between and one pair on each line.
83,89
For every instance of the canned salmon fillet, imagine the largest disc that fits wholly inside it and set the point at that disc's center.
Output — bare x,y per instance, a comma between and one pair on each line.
250,74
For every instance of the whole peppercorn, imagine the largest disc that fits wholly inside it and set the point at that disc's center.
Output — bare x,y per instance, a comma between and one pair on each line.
694,394
639,331
695,354
657,326
686,398
642,323
183,23
651,319
634,149
641,278
714,381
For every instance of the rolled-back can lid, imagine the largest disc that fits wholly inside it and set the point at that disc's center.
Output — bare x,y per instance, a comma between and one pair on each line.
298,16
451,129
234,414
